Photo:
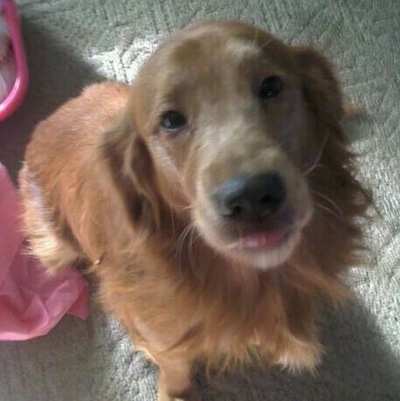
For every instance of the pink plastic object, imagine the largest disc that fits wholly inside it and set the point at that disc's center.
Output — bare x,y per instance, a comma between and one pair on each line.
18,91
31,301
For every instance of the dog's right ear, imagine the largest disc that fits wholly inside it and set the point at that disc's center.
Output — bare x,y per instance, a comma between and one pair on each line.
320,85
130,169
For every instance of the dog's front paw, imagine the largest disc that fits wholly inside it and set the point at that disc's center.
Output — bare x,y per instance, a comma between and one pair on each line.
186,396
300,356
165,397
182,399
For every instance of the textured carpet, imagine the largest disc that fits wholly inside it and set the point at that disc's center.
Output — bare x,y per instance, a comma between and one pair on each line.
72,43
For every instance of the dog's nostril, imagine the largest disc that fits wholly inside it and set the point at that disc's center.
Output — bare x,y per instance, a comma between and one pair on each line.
266,199
228,207
252,197
273,191
233,210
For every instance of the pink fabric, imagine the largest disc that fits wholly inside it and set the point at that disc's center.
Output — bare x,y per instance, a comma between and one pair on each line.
31,302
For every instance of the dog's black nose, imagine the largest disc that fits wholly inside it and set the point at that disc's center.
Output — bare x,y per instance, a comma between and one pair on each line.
251,198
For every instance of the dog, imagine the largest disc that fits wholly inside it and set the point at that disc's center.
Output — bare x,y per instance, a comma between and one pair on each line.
214,199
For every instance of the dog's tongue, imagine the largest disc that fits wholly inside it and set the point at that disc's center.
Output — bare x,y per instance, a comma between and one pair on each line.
263,239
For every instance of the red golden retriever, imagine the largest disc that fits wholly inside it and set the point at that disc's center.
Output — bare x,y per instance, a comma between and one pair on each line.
214,200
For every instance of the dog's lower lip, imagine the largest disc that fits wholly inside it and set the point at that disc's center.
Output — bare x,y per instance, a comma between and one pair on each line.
263,239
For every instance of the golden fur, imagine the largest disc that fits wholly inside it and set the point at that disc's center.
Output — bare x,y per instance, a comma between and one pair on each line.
104,185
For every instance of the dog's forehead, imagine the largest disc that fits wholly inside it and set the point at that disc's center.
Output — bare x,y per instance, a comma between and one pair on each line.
216,57
212,49
217,49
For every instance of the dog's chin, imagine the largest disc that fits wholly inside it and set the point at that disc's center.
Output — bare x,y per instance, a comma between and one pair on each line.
262,250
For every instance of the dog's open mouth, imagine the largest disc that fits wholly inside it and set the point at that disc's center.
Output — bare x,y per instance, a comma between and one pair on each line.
264,248
263,245
263,240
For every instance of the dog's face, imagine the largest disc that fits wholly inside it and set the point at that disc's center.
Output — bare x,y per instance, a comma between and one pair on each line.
223,112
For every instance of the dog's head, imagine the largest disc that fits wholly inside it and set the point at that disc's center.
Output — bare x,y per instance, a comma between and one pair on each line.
228,122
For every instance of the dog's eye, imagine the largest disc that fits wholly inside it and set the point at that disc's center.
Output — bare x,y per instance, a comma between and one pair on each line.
172,121
270,87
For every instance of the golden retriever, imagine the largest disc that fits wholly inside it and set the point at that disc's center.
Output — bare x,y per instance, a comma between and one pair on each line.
214,199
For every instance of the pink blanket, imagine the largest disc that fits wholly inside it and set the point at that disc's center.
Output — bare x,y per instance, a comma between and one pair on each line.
31,302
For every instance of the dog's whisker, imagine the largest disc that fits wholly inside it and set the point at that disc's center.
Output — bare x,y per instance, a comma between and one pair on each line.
171,215
327,209
182,237
186,208
179,245
255,38
317,159
267,43
330,201
192,260
181,242
312,168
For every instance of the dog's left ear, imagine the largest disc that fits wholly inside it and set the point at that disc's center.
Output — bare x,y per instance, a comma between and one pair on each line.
129,167
320,85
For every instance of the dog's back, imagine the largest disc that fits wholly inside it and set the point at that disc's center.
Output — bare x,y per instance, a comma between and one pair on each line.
71,138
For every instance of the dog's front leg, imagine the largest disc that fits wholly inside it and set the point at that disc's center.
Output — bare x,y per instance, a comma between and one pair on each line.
175,382
176,378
